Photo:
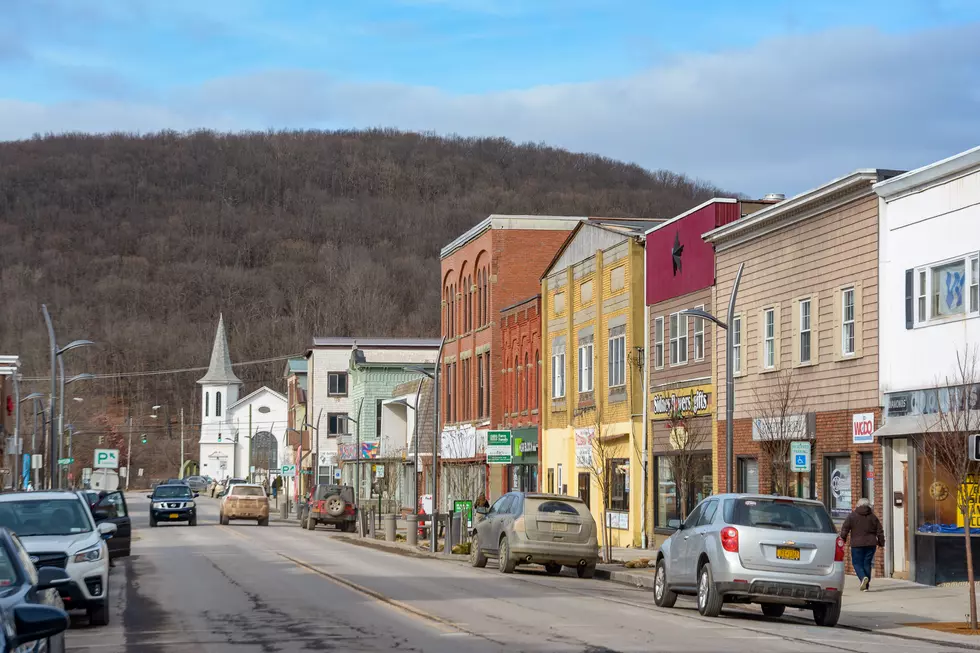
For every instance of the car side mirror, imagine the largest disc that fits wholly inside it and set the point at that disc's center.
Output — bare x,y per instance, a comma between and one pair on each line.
33,622
680,525
50,577
196,495
149,496
107,530
482,510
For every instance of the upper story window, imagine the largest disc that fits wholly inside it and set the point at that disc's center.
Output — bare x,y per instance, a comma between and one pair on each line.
945,291
585,356
337,384
737,345
658,343
769,338
678,338
559,303
617,357
699,336
847,324
207,404
217,404
558,369
805,339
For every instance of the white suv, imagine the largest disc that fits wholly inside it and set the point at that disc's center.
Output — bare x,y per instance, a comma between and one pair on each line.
58,530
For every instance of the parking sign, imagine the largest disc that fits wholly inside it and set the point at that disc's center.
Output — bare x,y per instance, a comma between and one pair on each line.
799,456
106,459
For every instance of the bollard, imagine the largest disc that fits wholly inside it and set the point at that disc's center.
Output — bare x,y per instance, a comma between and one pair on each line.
412,535
371,524
447,547
390,527
457,528
284,508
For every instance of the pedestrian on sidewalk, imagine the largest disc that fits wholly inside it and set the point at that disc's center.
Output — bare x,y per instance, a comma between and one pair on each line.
867,535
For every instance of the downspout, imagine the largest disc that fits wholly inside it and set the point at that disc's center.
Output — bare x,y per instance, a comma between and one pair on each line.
646,404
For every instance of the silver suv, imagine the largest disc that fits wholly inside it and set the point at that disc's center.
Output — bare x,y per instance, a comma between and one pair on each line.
747,548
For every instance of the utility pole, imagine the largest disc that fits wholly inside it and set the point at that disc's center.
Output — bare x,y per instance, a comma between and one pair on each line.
181,441
53,348
248,450
129,454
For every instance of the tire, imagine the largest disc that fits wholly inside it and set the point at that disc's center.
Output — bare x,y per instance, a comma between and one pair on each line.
335,505
773,610
477,557
552,568
310,524
264,522
505,563
826,614
662,595
709,600
223,520
586,571
99,615
192,522
153,523
351,527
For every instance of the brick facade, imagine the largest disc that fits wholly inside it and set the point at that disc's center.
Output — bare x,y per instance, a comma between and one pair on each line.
521,377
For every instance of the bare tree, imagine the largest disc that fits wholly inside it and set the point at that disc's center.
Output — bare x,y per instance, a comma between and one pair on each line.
944,439
688,437
781,410
595,451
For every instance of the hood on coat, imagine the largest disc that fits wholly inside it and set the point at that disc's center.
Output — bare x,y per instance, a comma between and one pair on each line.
863,510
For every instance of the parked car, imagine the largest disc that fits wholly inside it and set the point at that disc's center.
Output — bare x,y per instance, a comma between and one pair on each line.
197,483
58,529
30,600
745,548
547,529
111,508
173,502
330,504
221,489
245,501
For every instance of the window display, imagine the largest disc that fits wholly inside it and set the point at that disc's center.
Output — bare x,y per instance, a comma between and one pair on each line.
839,482
668,512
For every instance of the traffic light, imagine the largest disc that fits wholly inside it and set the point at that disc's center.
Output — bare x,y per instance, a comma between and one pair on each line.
219,437
144,438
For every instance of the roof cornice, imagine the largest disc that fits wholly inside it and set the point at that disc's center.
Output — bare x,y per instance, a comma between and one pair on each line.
920,179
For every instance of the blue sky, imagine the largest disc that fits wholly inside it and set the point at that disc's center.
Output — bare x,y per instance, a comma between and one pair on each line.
757,96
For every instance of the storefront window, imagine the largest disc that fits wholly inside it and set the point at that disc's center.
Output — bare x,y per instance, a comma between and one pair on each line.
839,484
868,477
523,478
669,514
748,475
936,492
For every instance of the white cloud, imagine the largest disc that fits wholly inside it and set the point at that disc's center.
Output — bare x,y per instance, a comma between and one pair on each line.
782,116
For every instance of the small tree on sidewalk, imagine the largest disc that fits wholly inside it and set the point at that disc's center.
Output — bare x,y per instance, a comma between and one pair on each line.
945,440
781,409
594,452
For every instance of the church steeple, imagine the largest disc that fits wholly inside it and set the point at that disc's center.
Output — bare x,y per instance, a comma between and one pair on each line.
220,371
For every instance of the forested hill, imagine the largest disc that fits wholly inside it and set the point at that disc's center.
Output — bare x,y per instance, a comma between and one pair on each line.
137,242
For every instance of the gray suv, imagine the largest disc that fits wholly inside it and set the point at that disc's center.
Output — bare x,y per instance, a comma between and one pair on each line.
746,548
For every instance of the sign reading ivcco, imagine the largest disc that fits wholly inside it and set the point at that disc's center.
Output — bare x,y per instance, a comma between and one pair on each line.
688,402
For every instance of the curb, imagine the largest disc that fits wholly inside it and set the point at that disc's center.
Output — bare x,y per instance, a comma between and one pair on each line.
398,548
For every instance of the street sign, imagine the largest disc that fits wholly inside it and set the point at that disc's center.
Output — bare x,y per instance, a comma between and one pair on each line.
499,451
139,472
106,459
65,461
799,456
289,470
336,474
37,462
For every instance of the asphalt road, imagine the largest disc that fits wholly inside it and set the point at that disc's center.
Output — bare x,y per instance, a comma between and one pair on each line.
244,588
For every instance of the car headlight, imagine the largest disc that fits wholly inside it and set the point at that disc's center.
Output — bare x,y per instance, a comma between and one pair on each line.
191,504
159,506
89,555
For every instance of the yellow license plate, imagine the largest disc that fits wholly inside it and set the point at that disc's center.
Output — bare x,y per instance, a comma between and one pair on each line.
559,528
785,553
174,515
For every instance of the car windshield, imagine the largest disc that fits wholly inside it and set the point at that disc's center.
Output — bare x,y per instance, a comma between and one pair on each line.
171,492
247,491
45,517
782,514
8,571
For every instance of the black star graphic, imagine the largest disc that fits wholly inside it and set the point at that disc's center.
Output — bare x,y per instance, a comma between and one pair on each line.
676,253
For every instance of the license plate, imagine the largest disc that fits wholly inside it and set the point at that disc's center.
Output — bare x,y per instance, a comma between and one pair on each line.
559,528
174,515
785,553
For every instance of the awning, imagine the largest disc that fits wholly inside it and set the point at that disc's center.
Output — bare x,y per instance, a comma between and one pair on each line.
900,427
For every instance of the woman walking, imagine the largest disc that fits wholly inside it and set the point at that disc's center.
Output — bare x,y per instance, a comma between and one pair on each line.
867,535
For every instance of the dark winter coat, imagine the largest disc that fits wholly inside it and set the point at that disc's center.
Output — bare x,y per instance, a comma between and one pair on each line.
864,528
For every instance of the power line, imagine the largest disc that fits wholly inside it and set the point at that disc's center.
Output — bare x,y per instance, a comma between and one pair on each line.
182,370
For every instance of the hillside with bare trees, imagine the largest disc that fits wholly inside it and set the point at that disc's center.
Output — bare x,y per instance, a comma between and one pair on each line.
137,242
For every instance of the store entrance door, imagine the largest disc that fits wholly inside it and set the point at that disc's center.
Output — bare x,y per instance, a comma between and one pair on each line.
900,513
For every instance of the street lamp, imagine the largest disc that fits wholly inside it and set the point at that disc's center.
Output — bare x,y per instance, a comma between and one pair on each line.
357,456
61,401
729,374
38,399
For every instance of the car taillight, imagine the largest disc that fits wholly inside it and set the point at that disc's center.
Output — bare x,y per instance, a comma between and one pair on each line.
839,552
729,539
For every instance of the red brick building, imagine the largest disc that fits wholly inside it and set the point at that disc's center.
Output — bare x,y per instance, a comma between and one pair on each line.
520,326
492,266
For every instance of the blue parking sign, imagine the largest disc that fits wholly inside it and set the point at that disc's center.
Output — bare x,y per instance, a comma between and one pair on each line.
801,460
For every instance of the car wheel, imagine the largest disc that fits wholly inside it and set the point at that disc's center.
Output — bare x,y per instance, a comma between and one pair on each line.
552,568
153,523
335,505
773,610
662,595
351,527
505,563
99,615
826,614
477,557
310,524
264,522
192,521
709,600
586,571
223,520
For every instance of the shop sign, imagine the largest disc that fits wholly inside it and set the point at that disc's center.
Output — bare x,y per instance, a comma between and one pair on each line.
862,428
686,402
499,448
898,404
524,447
791,427
618,520
583,446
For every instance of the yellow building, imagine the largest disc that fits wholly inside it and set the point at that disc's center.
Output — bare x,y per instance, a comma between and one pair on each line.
592,399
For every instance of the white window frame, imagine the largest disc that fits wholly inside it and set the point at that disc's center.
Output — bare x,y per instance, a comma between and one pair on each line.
769,338
617,361
337,375
845,323
699,335
736,335
806,329
678,339
658,343
585,367
923,290
558,373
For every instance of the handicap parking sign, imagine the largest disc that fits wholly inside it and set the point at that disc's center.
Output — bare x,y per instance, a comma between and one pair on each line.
800,456
800,460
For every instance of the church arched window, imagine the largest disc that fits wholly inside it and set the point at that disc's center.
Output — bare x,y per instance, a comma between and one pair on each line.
207,404
217,405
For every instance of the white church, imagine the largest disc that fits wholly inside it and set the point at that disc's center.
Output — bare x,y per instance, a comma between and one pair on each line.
239,436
